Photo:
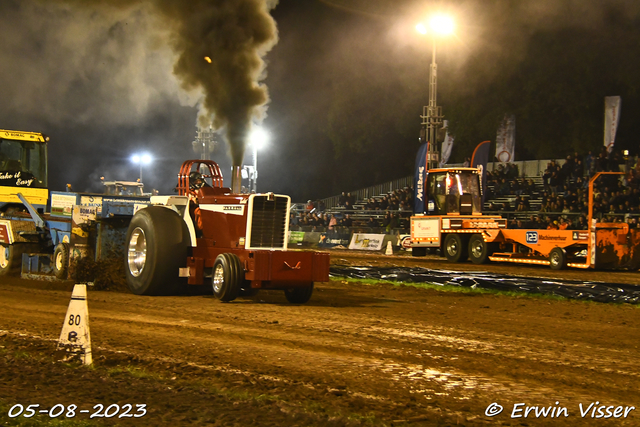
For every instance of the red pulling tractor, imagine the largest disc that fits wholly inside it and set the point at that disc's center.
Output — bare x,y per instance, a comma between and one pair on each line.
238,241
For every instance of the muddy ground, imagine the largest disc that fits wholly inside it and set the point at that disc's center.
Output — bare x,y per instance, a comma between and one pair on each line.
356,354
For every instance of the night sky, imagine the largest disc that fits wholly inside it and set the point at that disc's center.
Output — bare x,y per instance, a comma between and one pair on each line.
346,83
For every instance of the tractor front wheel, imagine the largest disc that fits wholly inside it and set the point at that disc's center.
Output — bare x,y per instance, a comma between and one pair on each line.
61,261
228,277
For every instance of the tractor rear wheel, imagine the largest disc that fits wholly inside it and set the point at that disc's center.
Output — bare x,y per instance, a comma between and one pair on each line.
228,276
299,295
557,258
455,249
157,246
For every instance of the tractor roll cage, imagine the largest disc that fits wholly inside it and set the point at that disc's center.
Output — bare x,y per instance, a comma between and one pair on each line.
202,166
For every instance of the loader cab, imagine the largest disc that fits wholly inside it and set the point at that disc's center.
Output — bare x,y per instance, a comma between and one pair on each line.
23,168
454,191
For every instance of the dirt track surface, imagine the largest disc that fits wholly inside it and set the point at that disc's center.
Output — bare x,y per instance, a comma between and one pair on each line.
354,355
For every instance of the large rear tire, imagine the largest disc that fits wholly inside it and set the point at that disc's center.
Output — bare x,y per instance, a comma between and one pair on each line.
228,277
299,295
157,246
455,249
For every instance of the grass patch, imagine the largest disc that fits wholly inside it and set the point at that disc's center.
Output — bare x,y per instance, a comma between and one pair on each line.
456,289
135,372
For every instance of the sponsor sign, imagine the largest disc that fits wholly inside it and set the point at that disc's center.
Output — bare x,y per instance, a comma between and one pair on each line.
367,242
425,228
5,232
296,236
580,235
84,214
95,201
62,204
330,240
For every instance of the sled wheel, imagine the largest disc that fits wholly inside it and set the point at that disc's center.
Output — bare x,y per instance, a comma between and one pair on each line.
61,261
228,276
479,250
418,252
454,248
558,258
11,257
298,295
247,291
157,246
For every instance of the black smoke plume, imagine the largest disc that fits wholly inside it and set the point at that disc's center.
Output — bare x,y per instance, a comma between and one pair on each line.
219,46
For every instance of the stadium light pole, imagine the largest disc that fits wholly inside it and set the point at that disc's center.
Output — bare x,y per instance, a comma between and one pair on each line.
141,159
258,140
439,25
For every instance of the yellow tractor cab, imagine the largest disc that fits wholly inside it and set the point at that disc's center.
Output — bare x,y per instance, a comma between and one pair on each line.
23,169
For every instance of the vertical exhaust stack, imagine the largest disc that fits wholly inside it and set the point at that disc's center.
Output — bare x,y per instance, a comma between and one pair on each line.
236,179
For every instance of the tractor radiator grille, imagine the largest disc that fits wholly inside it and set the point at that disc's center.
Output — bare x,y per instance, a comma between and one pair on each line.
268,221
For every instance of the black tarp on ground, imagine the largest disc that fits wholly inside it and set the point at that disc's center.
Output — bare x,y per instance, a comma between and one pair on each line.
591,291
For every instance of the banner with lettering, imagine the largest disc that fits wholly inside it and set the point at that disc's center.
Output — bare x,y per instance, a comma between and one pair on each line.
611,119
367,242
419,180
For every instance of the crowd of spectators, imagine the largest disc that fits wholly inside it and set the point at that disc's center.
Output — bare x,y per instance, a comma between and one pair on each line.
563,195
375,214
560,201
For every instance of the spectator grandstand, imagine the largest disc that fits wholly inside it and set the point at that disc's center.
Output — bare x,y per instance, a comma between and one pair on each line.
530,194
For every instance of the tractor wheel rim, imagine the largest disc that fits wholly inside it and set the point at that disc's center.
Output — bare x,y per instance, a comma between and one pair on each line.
137,252
555,258
452,248
218,278
59,261
476,250
4,256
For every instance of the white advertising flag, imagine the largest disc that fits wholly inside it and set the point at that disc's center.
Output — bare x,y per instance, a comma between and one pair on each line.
611,119
447,145
506,139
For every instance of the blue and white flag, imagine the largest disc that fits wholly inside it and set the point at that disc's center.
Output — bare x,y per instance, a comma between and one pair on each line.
419,180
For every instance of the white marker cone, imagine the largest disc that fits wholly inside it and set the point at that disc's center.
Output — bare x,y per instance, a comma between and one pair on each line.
389,250
75,336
